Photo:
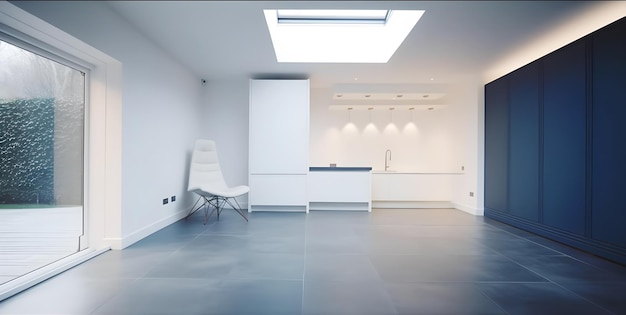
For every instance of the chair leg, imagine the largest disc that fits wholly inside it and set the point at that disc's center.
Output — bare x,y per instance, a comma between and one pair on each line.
217,205
237,208
193,208
214,203
221,206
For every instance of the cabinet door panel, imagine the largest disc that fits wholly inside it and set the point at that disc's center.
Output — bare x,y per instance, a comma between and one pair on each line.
340,186
524,142
279,126
278,190
564,138
609,130
412,187
496,144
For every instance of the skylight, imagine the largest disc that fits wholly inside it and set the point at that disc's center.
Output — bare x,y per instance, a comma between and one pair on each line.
339,36
333,16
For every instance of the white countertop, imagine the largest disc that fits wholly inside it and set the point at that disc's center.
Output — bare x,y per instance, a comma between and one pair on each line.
418,172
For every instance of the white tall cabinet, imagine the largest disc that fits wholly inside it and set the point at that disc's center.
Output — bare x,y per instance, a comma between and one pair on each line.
278,145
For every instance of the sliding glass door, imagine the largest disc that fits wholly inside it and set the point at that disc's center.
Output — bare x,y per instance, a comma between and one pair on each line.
42,127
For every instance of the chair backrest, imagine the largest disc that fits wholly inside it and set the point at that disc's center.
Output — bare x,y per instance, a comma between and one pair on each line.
205,170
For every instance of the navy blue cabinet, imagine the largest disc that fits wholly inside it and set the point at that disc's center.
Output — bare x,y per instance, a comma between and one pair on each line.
496,145
609,133
555,154
564,138
524,142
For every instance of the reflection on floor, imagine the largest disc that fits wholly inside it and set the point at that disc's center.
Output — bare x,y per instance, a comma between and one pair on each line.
422,261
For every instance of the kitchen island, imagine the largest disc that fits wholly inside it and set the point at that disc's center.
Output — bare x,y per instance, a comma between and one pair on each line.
340,188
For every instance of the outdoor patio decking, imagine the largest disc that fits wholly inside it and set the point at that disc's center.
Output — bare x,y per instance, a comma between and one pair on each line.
34,237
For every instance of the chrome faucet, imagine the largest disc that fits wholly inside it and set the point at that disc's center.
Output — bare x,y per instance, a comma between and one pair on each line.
387,165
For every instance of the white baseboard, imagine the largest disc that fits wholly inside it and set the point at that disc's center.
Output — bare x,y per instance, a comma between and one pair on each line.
302,208
411,204
468,209
341,206
130,239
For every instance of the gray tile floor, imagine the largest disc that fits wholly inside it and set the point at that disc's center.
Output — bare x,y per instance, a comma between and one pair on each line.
419,261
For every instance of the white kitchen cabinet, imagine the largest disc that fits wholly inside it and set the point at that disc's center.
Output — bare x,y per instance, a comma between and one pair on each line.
279,190
403,186
278,145
339,188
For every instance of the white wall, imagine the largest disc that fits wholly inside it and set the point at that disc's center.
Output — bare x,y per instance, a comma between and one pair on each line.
468,128
225,120
442,140
160,114
419,140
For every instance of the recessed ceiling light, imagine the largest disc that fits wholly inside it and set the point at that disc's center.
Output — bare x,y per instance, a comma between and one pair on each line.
346,36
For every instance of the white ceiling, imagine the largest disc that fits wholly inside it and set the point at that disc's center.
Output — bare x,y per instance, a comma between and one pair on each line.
229,39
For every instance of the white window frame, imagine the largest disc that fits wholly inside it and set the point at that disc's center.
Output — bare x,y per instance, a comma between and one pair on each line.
102,140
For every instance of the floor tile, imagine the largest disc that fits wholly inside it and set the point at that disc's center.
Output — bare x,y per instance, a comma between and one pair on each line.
344,267
259,224
124,264
258,297
219,244
450,268
514,247
478,232
440,298
390,261
423,217
342,297
565,269
194,265
338,218
610,296
426,245
537,298
164,296
65,295
294,244
268,266
323,244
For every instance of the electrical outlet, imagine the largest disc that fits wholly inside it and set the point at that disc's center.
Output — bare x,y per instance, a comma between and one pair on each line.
471,194
173,198
165,201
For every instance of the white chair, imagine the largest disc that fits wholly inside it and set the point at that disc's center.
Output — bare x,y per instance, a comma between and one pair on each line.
206,180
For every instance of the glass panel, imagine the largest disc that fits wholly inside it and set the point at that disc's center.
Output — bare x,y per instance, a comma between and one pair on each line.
332,16
42,106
